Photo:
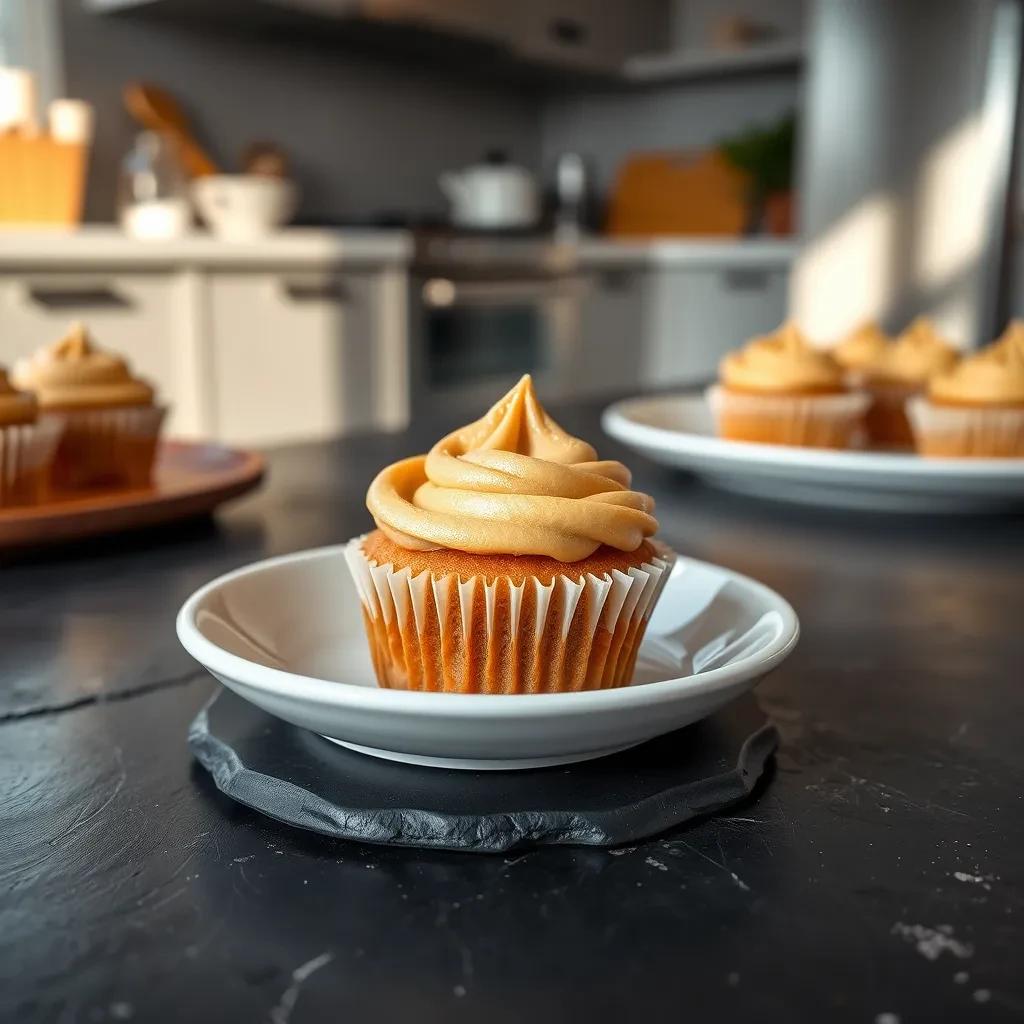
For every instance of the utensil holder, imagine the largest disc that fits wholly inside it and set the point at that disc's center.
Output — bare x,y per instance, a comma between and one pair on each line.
42,181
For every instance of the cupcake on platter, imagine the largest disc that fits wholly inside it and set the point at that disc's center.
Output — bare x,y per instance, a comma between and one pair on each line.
109,418
779,389
977,408
508,559
859,349
27,446
897,374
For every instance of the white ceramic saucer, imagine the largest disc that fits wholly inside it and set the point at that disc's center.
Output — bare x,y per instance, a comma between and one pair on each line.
287,635
677,430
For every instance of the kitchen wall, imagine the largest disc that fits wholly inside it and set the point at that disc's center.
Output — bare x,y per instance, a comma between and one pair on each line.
369,133
365,134
606,127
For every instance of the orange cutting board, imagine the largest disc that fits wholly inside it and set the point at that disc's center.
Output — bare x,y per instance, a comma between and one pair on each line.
678,193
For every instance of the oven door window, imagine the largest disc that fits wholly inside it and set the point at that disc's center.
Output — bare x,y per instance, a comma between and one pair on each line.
466,344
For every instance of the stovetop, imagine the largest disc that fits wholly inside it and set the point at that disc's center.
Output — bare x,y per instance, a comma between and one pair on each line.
441,249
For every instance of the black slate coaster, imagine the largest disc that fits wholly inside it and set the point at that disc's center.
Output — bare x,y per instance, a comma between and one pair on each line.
301,778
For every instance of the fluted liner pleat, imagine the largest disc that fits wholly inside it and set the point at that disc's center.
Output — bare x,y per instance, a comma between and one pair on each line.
113,447
443,633
26,456
965,431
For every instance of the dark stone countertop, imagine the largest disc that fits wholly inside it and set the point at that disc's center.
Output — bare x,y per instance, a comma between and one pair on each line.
876,877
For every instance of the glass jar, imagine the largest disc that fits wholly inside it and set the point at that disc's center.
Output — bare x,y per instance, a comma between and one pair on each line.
152,192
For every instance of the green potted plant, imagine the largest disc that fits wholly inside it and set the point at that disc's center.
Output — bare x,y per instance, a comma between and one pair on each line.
766,156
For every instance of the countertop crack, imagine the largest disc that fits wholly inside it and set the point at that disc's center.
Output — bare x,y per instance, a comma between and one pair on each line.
41,710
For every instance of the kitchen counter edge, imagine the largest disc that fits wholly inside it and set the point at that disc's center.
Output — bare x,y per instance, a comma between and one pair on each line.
93,246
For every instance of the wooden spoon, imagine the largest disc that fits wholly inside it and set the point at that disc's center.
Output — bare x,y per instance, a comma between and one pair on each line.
156,109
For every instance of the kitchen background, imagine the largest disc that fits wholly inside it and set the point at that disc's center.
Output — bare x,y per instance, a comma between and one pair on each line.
604,194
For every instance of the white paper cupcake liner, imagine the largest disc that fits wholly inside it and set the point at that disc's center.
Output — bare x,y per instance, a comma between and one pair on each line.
436,633
113,446
793,419
26,453
848,405
952,430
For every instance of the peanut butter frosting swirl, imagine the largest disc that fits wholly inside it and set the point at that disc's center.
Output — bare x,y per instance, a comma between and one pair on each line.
993,376
861,347
916,355
511,483
74,374
16,407
780,363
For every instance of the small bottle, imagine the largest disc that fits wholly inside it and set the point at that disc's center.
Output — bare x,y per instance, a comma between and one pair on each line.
153,195
571,195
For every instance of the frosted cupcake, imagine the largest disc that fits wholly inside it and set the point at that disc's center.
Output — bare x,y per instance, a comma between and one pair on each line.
977,408
901,371
109,419
778,389
507,560
26,446
859,349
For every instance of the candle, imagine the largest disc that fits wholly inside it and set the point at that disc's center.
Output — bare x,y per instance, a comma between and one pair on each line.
71,121
17,101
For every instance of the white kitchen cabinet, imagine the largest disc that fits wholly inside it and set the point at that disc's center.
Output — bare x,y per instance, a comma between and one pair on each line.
695,315
303,335
614,323
296,354
136,314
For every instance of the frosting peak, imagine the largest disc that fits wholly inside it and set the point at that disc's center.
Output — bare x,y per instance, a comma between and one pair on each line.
518,423
917,354
861,346
993,376
515,483
15,406
73,373
781,362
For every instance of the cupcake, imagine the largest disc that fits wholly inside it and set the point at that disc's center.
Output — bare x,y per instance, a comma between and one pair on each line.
859,349
780,390
507,560
108,418
899,372
26,446
977,408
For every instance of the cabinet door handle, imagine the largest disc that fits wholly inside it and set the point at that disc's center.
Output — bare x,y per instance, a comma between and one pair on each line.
314,290
77,295
567,31
615,280
745,280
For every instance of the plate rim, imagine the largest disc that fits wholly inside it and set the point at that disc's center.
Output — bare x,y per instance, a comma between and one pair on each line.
617,422
471,705
93,513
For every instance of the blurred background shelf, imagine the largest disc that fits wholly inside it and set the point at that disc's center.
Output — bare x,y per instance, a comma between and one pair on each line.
619,44
666,68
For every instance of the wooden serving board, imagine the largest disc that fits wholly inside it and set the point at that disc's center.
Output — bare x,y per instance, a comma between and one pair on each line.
191,478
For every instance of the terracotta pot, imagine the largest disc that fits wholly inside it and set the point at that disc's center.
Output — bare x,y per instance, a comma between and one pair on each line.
778,213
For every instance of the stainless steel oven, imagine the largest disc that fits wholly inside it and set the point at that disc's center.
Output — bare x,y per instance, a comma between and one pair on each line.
480,323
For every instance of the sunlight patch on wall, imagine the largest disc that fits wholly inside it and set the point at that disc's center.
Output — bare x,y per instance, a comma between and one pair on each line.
845,276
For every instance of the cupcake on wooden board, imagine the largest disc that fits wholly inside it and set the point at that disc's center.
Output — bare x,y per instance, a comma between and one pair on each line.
27,446
859,349
109,419
977,408
779,389
901,371
509,559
